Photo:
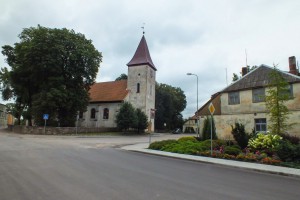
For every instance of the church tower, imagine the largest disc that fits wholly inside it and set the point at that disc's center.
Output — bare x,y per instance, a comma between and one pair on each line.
141,82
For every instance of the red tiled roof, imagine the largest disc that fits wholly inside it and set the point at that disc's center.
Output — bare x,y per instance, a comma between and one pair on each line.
113,91
142,55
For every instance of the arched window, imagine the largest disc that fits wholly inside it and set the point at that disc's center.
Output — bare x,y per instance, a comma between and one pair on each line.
105,113
138,88
80,115
93,113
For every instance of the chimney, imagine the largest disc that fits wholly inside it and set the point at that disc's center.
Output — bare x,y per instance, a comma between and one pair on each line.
244,71
292,65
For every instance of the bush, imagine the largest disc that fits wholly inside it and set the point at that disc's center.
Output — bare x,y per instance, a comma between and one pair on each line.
160,144
292,139
206,131
187,138
186,147
265,141
240,135
285,151
231,150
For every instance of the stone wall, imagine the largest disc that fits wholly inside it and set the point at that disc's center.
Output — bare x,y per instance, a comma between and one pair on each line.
34,130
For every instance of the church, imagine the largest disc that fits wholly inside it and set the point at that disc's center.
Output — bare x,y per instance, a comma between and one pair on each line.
106,98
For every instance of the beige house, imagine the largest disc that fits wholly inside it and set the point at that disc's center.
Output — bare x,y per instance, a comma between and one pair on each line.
243,101
3,116
139,89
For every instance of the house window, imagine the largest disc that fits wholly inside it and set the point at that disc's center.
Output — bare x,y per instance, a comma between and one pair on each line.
260,125
138,88
80,115
93,113
233,98
289,91
258,95
105,113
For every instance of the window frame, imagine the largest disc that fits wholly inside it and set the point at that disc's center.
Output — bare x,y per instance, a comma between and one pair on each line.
105,113
262,123
138,87
234,98
258,95
93,113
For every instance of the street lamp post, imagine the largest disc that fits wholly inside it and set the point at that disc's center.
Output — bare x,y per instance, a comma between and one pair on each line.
198,117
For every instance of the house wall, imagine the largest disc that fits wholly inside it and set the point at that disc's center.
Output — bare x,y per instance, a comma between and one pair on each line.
3,118
87,121
246,112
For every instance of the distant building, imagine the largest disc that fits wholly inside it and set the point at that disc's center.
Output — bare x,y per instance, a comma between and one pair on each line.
139,90
243,101
3,116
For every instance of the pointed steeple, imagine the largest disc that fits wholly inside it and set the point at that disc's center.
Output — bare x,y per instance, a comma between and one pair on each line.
142,55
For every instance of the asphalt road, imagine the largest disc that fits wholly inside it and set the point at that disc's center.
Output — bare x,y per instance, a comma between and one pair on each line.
33,167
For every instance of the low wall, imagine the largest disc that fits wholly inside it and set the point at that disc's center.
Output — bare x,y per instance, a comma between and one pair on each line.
35,130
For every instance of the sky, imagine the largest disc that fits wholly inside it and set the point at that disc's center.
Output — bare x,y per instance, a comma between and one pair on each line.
209,38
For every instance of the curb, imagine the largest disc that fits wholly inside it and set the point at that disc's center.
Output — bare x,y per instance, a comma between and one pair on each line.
285,171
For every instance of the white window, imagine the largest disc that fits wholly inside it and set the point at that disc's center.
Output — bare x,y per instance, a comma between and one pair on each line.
260,125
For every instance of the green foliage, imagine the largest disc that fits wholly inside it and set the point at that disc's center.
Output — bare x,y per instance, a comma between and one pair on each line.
240,135
232,150
122,77
184,147
206,131
235,77
160,144
169,103
291,138
51,72
187,138
285,151
142,120
126,117
276,97
265,141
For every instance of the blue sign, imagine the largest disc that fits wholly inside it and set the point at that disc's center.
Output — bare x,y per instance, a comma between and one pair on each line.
46,116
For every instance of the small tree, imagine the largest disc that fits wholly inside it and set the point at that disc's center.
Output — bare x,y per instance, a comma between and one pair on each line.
126,118
240,135
206,131
277,95
142,120
122,77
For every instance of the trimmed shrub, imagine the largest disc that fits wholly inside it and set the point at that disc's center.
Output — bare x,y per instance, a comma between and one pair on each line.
160,144
187,147
231,150
187,138
240,135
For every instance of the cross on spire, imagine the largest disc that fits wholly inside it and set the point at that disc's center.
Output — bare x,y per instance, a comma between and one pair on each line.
143,27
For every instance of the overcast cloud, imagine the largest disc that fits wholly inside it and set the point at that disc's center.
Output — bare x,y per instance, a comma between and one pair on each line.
198,36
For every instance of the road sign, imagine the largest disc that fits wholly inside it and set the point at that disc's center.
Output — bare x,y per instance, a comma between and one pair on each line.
45,116
211,108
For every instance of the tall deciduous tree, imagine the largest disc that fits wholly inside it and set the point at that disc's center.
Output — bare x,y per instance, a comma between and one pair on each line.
51,72
169,103
277,94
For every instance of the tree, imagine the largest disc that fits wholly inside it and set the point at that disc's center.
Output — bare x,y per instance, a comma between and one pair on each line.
122,77
236,77
278,93
126,117
169,103
206,131
240,135
51,72
142,120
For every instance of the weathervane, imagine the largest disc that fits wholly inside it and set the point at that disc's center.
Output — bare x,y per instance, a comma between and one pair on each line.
143,27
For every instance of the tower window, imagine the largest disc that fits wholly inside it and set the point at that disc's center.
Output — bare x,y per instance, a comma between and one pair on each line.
93,113
138,88
105,113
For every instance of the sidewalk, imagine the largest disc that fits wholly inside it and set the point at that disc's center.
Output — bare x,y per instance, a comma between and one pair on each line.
142,147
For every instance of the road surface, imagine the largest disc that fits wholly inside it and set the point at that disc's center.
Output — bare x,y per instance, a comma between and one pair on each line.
71,168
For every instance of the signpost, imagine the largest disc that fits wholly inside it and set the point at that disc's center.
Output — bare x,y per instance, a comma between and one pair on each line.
45,117
211,109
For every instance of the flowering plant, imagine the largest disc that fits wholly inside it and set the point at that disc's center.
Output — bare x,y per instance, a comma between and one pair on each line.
264,141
